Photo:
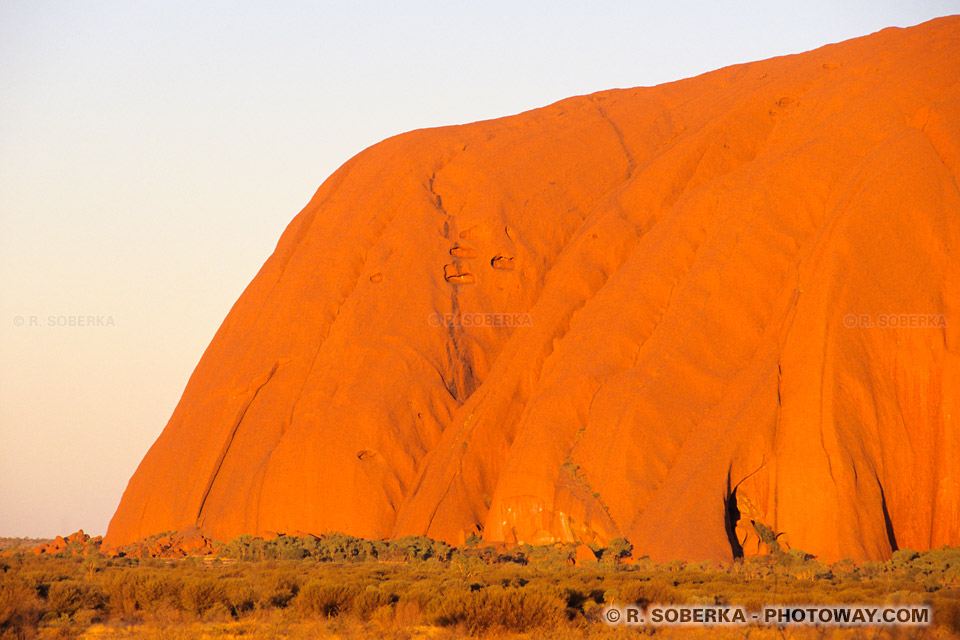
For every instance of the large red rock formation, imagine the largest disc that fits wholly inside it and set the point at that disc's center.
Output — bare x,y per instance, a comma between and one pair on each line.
693,315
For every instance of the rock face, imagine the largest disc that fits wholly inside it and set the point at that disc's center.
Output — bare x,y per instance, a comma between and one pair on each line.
75,544
709,316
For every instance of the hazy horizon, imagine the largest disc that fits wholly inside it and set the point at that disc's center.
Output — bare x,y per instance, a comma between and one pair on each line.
153,155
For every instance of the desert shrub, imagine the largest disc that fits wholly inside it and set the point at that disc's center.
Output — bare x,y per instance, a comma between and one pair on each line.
407,612
466,590
198,596
617,549
754,602
413,602
66,597
325,599
287,548
554,557
338,547
416,548
768,536
120,588
511,581
277,590
467,608
577,596
20,610
904,556
156,591
516,610
946,613
653,591
524,609
800,556
512,557
292,548
369,600
242,548
239,596
360,550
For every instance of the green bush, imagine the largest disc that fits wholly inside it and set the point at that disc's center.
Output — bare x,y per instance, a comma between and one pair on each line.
768,536
617,549
904,556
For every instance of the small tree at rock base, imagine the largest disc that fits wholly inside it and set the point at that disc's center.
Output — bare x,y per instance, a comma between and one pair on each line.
619,548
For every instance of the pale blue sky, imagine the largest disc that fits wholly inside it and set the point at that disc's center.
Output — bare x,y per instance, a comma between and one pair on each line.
151,153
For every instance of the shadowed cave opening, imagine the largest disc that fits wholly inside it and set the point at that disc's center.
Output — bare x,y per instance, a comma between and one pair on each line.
731,516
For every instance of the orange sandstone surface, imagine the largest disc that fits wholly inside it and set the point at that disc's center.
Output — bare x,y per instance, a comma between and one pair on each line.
77,543
692,315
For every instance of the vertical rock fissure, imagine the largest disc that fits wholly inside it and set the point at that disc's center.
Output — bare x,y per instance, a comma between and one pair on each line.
631,163
463,382
229,442
891,536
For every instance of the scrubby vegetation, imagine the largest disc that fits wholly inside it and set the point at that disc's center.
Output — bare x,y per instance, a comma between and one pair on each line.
346,587
10,544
